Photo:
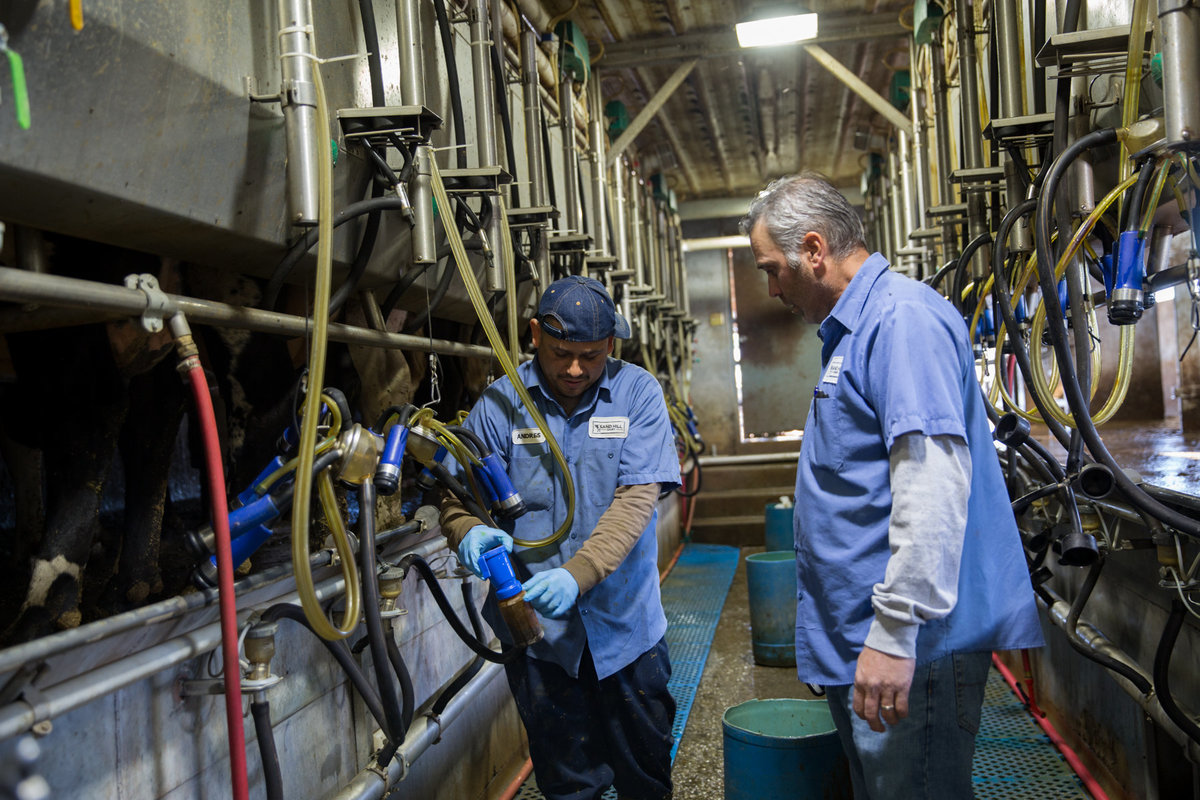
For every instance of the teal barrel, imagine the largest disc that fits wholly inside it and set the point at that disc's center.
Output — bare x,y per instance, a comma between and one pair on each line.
783,750
772,580
779,527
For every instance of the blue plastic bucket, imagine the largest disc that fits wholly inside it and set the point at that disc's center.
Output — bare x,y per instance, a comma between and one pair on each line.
783,750
778,529
772,580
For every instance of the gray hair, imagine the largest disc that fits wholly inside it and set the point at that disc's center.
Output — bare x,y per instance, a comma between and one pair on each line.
791,207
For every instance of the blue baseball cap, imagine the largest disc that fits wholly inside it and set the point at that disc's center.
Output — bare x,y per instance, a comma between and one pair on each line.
579,309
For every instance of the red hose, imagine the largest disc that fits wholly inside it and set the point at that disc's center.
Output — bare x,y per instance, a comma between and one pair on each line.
215,475
1077,766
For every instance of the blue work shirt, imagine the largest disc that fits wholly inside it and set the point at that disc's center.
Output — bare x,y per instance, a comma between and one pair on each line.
896,359
618,435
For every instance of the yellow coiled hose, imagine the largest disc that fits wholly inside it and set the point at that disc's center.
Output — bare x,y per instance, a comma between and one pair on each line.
506,363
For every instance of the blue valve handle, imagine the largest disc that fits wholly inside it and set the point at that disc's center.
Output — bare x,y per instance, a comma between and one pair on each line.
496,566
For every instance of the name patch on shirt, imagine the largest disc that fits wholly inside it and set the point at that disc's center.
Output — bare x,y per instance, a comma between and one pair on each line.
833,370
528,436
608,427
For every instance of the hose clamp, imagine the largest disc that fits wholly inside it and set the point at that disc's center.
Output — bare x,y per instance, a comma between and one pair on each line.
158,305
298,93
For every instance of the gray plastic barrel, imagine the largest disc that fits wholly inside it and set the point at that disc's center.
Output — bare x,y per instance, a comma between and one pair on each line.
772,580
783,750
778,527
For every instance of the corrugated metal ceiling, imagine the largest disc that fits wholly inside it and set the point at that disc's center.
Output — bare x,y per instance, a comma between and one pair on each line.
741,116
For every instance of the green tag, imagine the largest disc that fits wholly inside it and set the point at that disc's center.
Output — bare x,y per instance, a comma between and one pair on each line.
20,94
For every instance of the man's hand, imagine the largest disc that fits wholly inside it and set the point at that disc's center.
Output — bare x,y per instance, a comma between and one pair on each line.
881,684
552,593
478,541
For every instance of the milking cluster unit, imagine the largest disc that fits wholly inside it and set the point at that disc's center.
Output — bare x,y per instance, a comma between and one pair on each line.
394,178
1039,170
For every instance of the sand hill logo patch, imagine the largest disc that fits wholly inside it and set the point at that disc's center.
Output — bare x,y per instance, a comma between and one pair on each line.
608,427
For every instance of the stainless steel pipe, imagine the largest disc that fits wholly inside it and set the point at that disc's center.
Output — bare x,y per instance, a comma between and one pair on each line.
57,290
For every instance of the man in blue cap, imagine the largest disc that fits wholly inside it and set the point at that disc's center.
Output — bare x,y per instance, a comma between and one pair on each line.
593,693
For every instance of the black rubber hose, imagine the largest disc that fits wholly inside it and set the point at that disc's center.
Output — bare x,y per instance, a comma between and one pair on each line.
960,271
1162,663
1044,459
699,480
341,652
456,106
408,702
324,460
1023,502
401,286
1132,212
404,412
361,258
407,698
386,174
306,242
260,710
426,573
1103,659
368,567
339,399
935,279
471,438
1004,302
1058,334
460,492
1061,209
447,694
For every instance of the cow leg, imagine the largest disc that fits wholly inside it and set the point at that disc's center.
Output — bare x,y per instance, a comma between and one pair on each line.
82,404
147,442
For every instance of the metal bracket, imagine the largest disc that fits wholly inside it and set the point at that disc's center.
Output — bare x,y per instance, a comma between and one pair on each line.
435,719
158,305
20,686
250,83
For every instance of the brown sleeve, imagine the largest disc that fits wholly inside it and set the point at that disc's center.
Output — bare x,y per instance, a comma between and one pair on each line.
616,533
456,520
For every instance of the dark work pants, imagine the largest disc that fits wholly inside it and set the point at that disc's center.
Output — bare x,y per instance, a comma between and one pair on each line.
587,734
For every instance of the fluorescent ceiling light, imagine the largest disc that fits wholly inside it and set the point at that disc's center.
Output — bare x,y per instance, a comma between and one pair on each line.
777,30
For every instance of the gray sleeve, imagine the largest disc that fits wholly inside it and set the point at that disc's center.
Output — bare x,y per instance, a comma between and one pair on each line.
930,482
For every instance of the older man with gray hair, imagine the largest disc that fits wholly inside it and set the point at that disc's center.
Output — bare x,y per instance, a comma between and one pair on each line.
910,569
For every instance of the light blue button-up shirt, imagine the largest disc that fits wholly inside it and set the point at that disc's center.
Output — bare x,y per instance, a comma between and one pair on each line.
618,435
895,360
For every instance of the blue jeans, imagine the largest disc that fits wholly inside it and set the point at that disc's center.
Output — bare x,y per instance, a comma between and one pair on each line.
587,734
928,754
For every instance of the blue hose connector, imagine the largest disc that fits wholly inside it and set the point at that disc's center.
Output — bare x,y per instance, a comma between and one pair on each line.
1126,300
506,500
387,475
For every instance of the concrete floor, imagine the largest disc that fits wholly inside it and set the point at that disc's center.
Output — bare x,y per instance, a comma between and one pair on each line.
730,677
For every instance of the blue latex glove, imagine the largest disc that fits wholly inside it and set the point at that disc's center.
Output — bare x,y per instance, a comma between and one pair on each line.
552,593
478,541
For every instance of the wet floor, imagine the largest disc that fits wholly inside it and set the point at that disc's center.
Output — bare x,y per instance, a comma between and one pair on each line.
1159,451
730,677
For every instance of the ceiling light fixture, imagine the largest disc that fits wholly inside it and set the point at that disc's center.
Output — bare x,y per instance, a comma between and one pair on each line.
785,29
